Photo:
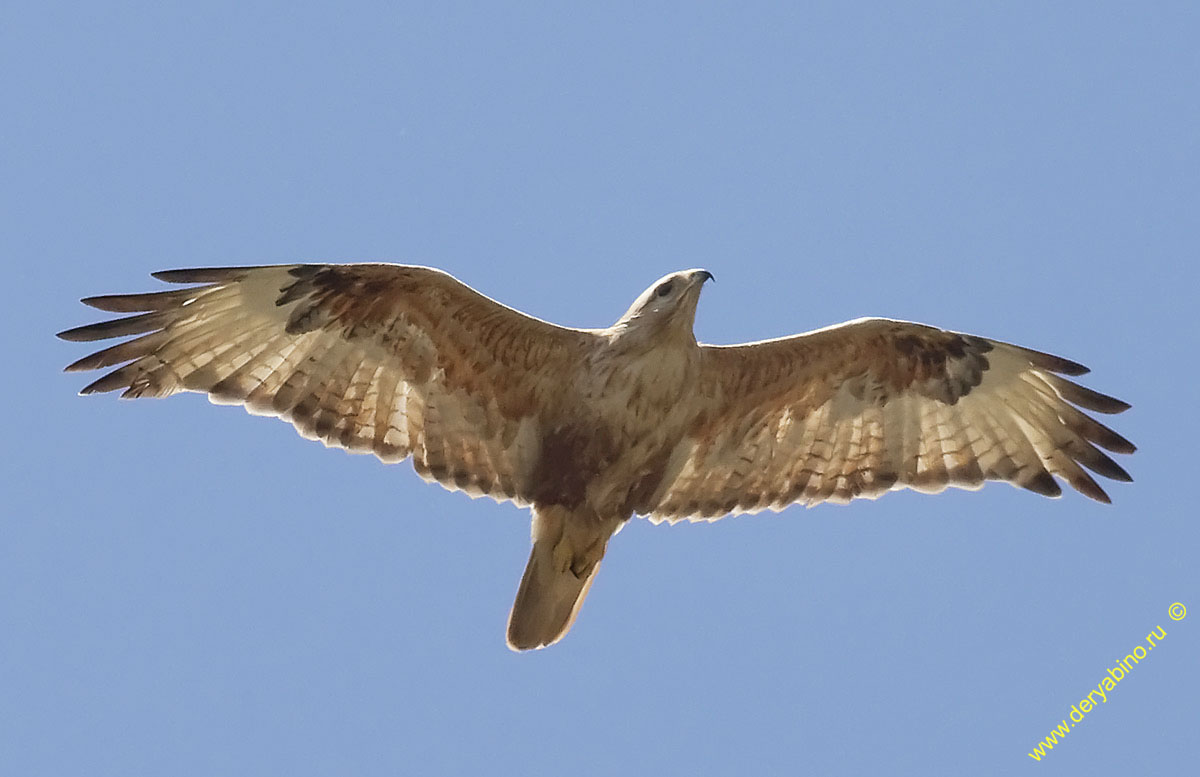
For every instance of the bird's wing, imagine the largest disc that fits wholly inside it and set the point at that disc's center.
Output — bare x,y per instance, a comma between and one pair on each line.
374,358
873,405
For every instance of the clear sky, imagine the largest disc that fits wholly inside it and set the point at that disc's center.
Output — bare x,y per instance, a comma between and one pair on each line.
188,590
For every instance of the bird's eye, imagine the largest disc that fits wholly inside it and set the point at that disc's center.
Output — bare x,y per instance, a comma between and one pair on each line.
663,289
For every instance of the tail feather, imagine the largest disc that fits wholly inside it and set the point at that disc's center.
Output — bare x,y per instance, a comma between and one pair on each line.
566,554
547,603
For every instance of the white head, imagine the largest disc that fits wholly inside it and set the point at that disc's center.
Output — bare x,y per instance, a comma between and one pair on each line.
667,307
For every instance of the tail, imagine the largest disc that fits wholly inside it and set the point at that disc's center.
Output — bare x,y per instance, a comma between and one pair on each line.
567,548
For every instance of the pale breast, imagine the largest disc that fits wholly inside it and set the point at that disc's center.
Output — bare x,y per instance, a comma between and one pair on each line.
641,406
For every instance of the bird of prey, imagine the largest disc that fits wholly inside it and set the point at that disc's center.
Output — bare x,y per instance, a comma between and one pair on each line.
590,427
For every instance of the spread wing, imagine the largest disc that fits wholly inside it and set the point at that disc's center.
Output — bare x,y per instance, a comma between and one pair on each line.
874,405
373,358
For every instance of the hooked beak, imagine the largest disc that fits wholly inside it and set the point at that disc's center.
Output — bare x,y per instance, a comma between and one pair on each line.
703,275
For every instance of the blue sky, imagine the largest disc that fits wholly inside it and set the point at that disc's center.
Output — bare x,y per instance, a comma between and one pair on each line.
188,590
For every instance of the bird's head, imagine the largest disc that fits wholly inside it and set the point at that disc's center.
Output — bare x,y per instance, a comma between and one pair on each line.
668,307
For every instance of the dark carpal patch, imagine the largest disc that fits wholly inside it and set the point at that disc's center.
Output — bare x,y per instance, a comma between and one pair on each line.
946,367
309,314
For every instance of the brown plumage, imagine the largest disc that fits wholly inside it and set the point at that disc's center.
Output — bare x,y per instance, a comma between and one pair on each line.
590,427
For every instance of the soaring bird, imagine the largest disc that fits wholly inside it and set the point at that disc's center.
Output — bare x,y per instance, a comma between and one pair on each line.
590,427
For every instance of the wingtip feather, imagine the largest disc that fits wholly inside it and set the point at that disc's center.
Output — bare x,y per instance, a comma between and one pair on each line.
200,274
1043,483
1057,364
103,302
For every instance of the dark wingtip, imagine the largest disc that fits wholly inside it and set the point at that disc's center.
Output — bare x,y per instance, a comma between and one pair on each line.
1086,397
1115,471
96,301
111,381
82,365
1043,483
1089,488
200,274
179,276
112,303
1108,439
1058,364
1101,403
209,274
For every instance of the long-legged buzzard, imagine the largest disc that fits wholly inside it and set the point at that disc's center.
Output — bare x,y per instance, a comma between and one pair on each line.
593,426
